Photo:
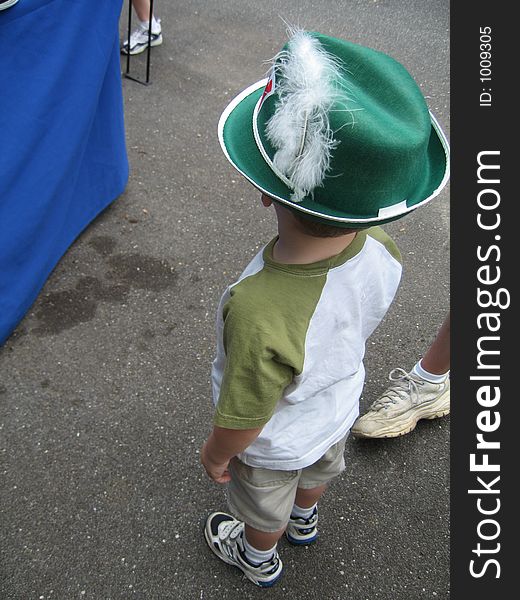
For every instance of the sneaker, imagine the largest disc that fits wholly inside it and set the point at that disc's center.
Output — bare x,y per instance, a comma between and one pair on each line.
139,39
224,535
302,531
402,405
7,3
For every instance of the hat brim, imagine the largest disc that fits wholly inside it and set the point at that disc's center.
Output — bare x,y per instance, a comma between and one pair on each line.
236,136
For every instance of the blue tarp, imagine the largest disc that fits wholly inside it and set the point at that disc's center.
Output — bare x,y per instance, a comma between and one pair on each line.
62,141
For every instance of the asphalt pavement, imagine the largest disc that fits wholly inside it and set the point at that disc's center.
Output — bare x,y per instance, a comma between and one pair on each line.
105,384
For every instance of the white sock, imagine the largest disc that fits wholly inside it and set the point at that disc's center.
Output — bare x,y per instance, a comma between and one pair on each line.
257,556
431,377
155,24
303,513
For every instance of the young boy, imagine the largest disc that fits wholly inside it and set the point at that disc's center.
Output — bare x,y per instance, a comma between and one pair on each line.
338,140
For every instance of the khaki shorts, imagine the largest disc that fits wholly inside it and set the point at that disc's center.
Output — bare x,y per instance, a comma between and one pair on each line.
263,498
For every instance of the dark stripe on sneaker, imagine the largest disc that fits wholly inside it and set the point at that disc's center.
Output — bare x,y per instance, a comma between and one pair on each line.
216,521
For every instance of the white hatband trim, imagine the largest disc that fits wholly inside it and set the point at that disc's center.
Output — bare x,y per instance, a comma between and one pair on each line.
262,150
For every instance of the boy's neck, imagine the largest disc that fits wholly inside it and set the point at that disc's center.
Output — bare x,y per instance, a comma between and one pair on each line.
295,247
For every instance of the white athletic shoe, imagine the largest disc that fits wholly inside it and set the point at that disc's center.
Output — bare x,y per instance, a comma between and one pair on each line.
224,535
139,39
7,3
399,408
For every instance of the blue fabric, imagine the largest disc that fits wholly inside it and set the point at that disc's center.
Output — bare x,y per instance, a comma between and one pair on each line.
62,140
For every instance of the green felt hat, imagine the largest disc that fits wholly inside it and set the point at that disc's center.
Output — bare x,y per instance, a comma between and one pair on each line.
339,132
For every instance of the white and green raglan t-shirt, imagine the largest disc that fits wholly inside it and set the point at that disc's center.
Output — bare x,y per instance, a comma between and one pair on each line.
290,347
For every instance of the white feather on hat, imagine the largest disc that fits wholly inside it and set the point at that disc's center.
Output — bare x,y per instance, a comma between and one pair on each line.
299,130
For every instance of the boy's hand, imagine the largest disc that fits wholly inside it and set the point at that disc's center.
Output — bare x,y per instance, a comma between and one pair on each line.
220,448
217,471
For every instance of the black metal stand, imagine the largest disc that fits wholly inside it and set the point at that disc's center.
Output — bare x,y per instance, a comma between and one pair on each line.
127,73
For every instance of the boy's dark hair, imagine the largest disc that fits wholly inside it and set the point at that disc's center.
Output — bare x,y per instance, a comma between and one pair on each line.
319,229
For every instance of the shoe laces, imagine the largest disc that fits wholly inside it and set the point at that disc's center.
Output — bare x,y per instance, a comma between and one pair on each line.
139,31
404,386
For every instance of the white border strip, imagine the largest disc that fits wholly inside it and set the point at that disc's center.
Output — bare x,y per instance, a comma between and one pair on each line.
263,151
253,88
229,109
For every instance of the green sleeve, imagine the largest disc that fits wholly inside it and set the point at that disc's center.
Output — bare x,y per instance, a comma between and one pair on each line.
265,325
258,368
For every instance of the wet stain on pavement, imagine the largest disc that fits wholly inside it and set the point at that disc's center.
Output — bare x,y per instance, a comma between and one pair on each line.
59,311
103,244
148,334
142,272
62,310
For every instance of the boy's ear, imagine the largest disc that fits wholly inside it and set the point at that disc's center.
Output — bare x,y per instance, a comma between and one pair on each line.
266,201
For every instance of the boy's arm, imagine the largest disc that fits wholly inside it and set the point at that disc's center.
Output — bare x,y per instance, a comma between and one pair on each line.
220,448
